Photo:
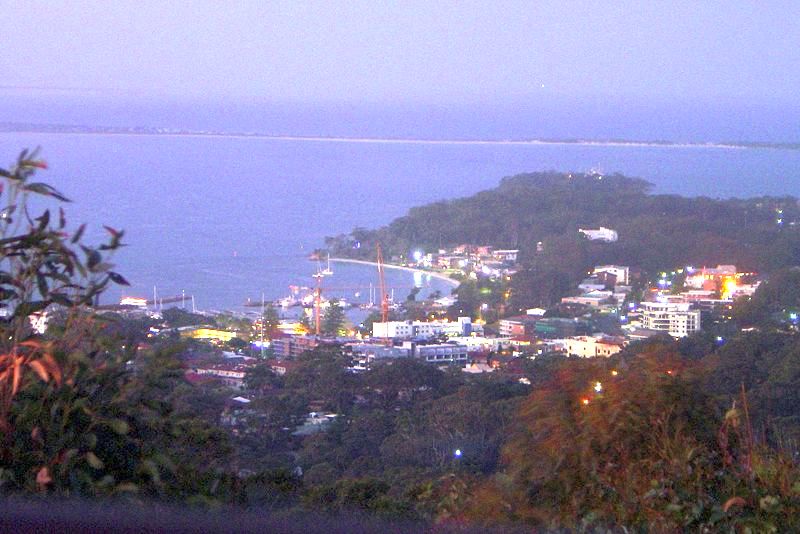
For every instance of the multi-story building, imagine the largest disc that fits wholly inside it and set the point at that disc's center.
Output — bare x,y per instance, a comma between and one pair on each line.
444,353
412,329
675,318
286,346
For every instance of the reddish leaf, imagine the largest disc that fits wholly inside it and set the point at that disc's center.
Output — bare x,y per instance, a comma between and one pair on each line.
733,501
39,369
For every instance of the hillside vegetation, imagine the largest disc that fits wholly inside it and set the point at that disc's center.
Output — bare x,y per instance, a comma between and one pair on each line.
656,232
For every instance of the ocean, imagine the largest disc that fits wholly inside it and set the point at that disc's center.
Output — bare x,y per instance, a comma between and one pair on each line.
227,219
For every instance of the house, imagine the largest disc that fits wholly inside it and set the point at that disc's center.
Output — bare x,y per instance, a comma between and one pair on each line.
600,234
595,299
506,255
593,346
231,374
621,274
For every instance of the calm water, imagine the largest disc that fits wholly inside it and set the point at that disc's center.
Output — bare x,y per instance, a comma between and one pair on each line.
228,219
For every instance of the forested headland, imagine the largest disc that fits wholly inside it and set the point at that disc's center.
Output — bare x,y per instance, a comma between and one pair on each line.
657,232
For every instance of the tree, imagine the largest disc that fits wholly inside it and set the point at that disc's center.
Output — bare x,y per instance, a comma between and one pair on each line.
333,321
42,266
81,413
271,321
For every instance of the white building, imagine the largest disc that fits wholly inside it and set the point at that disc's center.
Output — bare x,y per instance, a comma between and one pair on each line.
600,234
677,319
408,329
592,347
620,272
507,255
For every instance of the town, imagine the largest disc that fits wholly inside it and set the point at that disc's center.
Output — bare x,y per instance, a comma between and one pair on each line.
614,306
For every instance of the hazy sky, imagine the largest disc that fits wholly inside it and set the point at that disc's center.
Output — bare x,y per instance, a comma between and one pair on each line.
409,51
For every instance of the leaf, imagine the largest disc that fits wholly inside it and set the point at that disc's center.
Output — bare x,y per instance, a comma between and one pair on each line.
78,234
733,501
36,435
41,285
44,220
43,477
118,279
119,426
17,376
52,367
112,231
44,189
93,257
39,369
93,460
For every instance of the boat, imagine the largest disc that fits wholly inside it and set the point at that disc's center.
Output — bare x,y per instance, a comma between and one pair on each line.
328,271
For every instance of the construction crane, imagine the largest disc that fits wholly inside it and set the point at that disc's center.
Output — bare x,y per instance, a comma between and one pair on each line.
317,302
382,281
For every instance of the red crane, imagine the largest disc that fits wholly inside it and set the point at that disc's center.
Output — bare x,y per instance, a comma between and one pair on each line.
382,281
317,302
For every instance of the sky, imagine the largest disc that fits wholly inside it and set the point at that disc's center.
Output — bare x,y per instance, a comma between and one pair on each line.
410,51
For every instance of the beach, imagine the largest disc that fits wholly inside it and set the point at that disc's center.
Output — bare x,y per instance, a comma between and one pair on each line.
438,276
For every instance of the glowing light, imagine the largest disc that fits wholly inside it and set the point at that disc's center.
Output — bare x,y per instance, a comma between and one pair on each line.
729,287
417,255
457,453
793,316
614,372
585,401
598,387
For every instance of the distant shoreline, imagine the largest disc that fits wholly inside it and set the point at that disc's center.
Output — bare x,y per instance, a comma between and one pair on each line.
438,276
155,132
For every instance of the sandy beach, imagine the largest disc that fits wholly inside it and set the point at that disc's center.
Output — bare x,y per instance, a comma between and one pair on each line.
438,276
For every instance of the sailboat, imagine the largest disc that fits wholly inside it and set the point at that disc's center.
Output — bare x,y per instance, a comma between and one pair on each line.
328,271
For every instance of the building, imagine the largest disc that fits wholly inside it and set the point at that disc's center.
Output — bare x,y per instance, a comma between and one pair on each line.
595,299
442,353
506,256
557,327
676,318
721,278
368,352
593,347
281,367
207,333
518,325
287,346
482,344
621,273
600,234
231,375
421,329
